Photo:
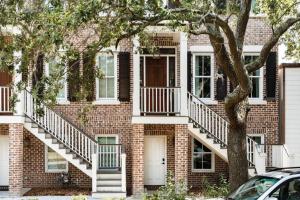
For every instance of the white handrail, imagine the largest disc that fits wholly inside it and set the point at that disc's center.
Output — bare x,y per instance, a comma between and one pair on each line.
58,127
5,94
109,156
214,124
160,100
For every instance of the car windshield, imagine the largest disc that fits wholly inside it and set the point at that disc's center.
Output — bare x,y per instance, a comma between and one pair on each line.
254,188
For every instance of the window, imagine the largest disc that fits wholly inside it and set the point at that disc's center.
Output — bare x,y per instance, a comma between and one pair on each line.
202,158
258,138
54,162
107,139
107,86
289,190
55,70
203,76
256,78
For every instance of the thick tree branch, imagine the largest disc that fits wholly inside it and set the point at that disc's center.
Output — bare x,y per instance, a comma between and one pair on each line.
278,32
242,23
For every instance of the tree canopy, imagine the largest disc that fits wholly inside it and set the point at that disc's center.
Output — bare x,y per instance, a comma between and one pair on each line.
48,27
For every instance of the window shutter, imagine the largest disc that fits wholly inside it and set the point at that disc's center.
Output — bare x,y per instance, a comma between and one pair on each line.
73,79
221,86
189,71
271,69
89,75
124,76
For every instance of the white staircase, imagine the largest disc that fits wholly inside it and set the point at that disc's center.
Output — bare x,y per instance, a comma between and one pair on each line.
78,148
211,129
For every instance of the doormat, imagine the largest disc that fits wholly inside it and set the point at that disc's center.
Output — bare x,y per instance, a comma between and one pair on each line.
3,188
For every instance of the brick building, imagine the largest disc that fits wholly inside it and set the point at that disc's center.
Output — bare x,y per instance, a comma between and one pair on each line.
142,120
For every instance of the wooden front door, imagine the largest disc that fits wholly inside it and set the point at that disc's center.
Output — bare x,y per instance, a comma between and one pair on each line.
156,79
156,72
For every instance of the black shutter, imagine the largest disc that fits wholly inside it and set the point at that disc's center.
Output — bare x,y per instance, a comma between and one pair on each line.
271,69
189,71
73,79
124,76
221,86
89,75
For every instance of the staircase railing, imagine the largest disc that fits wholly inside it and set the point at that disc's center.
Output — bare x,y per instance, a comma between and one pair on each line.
67,133
5,94
214,125
109,156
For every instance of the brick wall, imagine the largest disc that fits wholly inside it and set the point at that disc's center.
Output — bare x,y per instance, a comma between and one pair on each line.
15,159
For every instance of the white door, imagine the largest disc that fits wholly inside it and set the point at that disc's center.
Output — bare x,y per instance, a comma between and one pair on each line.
155,160
4,161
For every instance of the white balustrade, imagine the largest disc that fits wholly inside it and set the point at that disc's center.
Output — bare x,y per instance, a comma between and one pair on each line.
164,100
109,156
63,130
214,124
5,94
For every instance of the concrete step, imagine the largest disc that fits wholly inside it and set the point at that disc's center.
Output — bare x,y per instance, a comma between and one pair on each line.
109,176
108,195
109,188
101,182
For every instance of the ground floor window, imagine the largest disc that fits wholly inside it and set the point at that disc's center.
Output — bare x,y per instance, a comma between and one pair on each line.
54,162
202,158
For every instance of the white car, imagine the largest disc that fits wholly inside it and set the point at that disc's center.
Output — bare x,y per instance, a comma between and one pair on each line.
279,184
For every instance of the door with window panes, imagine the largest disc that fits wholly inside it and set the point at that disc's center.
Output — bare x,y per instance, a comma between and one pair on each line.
109,152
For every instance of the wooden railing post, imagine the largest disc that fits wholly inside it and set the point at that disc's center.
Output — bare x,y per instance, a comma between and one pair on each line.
123,171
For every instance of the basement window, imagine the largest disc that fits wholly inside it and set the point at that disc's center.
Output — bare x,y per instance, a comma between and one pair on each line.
54,163
203,159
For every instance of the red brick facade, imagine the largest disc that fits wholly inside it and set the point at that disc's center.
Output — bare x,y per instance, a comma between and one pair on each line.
27,153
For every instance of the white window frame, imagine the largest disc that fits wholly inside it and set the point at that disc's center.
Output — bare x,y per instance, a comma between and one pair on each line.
108,135
212,170
262,136
257,100
47,170
113,100
210,100
65,99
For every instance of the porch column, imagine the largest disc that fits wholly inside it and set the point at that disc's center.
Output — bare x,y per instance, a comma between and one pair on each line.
15,159
181,153
19,107
136,78
183,73
137,159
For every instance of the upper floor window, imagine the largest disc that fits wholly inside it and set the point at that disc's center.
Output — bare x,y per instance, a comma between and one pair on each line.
202,157
53,69
256,78
107,86
54,162
203,76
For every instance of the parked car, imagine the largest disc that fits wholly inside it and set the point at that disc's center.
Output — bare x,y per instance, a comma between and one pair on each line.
278,184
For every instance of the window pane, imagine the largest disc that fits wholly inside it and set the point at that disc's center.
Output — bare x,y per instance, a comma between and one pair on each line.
198,147
55,161
255,85
110,65
198,64
110,88
102,63
102,140
207,161
202,87
102,88
111,140
197,161
206,67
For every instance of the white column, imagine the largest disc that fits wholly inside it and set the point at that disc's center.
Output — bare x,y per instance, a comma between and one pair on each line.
183,73
136,78
94,171
19,107
123,169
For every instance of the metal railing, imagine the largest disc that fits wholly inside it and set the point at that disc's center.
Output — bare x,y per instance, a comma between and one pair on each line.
277,155
164,100
109,156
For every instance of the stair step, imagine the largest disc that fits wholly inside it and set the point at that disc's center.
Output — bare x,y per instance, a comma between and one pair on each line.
108,195
103,182
27,119
41,130
34,125
108,188
109,176
48,136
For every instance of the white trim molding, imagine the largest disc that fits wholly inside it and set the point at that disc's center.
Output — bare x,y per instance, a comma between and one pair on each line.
201,49
252,49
